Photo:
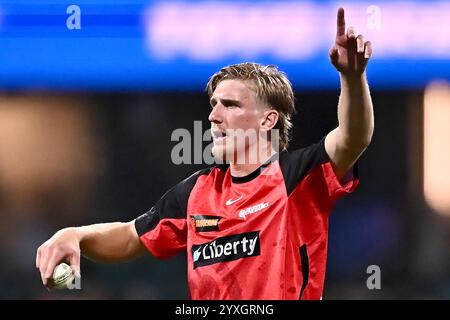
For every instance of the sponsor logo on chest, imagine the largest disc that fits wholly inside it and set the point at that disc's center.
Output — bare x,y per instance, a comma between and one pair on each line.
227,248
254,209
204,223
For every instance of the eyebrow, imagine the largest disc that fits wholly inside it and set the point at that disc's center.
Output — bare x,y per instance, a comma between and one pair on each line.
226,102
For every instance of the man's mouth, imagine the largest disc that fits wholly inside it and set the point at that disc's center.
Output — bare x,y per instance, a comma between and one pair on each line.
217,134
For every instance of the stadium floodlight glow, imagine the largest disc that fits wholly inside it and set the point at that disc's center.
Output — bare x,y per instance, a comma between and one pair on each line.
436,170
207,31
177,45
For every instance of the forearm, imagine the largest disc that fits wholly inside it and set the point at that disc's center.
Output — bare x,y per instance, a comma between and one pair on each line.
355,112
109,242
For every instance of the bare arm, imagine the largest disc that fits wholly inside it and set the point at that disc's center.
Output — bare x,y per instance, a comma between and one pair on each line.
110,242
346,143
106,242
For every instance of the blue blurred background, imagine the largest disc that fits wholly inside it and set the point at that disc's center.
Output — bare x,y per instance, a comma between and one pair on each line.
90,92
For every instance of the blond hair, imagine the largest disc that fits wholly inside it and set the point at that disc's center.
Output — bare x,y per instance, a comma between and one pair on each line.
271,86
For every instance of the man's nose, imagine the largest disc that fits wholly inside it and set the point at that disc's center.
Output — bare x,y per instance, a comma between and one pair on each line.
214,116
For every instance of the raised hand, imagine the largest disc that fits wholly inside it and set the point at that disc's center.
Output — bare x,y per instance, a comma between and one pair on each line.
350,53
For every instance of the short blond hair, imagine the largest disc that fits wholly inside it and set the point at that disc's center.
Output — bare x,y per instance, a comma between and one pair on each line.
271,87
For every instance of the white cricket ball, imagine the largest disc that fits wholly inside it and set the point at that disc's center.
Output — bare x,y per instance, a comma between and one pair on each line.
62,276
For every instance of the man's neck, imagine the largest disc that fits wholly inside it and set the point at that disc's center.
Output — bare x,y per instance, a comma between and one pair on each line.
241,169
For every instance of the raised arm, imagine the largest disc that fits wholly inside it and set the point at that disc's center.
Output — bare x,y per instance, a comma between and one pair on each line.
350,55
106,242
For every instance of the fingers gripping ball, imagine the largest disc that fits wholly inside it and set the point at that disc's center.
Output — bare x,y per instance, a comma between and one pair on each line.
62,277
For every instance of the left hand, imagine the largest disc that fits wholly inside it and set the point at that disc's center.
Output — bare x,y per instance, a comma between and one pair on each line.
350,54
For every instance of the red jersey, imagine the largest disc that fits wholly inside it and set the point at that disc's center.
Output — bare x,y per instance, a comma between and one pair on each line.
263,236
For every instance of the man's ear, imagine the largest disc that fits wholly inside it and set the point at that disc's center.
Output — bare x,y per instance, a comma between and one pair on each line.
270,119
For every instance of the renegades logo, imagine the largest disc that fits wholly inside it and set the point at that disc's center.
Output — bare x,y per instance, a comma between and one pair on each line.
228,248
205,223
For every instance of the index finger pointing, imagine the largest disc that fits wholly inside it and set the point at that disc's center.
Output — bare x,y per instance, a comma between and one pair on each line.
340,22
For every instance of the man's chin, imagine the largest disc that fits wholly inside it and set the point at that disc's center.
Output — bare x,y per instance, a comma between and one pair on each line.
222,154
219,154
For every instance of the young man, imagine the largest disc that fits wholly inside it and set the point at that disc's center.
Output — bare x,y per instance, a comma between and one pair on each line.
252,229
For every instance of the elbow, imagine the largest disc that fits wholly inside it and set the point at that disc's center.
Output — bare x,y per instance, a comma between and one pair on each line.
366,138
362,142
357,139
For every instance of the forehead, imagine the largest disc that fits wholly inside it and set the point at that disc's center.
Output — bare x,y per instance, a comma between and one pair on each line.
233,89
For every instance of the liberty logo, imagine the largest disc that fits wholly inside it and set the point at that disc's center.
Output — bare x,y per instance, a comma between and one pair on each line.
228,248
197,254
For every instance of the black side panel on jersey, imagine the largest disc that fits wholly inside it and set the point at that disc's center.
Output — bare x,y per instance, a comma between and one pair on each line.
173,204
297,164
305,269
